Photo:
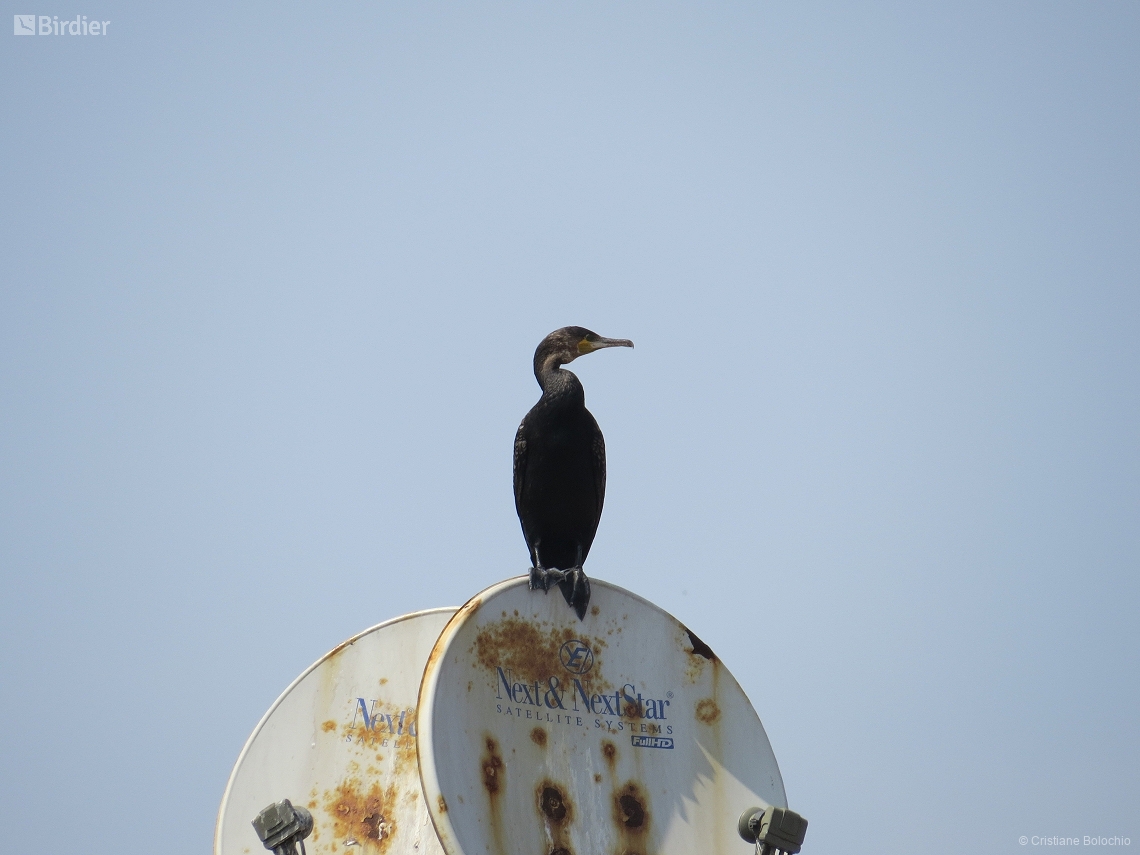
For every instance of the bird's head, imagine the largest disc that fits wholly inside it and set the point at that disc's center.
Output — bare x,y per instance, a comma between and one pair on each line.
563,346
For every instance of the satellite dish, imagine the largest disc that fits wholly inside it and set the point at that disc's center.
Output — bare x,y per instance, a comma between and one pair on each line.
620,733
341,741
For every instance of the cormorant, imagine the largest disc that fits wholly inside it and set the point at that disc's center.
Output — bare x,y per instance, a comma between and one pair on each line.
560,468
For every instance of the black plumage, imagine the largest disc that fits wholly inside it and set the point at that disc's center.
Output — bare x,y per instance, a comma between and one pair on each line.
560,467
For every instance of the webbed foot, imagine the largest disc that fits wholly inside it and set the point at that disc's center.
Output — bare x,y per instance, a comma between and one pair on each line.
539,579
542,577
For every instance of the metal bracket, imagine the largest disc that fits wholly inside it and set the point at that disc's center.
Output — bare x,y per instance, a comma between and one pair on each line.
283,827
772,829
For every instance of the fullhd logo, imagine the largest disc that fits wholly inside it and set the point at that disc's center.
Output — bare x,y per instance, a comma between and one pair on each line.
51,25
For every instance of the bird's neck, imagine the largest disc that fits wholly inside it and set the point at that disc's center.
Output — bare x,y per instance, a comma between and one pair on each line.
561,388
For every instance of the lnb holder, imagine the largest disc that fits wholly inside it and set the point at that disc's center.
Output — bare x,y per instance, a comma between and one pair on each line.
282,827
772,829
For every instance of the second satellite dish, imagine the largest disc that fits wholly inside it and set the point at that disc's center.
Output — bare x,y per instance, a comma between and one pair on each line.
341,743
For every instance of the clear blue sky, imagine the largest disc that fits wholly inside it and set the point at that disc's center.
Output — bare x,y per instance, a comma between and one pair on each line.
271,283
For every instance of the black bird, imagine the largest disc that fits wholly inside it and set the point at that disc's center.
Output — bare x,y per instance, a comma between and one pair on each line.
560,468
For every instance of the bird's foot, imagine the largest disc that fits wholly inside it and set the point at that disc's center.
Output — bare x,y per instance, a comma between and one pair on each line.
576,589
541,578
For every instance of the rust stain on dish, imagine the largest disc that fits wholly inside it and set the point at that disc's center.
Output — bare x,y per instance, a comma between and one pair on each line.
407,755
708,712
557,814
631,819
530,650
494,782
433,657
363,816
493,777
553,804
538,737
441,804
340,647
328,726
595,611
468,608
631,810
609,751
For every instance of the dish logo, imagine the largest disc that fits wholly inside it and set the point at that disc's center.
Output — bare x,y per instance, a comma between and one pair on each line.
576,656
24,25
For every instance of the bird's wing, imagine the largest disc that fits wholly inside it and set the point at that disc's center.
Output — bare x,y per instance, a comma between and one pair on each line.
600,470
520,468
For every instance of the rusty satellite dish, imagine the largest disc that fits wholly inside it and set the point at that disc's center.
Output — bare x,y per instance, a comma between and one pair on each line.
341,741
540,733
